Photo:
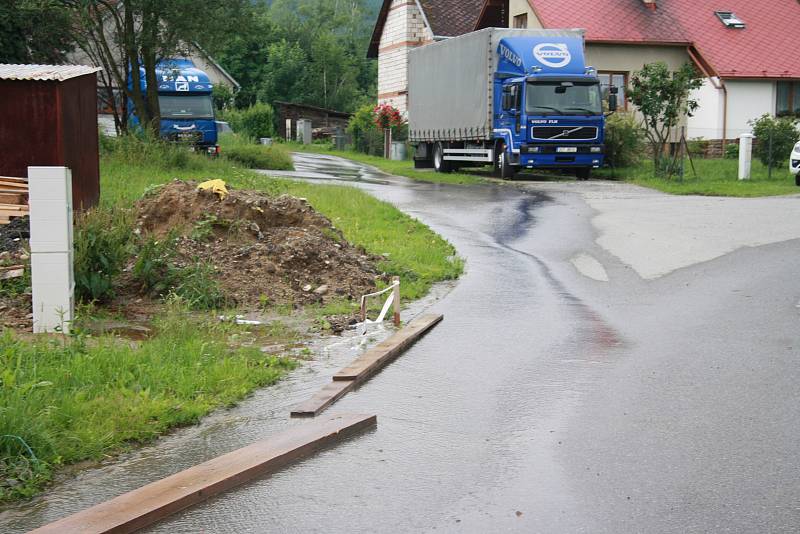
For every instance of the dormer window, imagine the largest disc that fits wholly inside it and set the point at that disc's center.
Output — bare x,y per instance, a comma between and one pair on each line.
730,20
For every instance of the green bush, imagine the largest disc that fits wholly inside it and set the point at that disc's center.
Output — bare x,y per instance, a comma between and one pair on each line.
255,121
731,151
625,142
102,245
775,138
366,136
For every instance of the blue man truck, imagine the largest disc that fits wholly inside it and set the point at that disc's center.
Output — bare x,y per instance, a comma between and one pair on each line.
187,109
513,98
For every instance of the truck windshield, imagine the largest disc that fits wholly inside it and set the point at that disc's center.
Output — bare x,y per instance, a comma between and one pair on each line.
186,106
556,98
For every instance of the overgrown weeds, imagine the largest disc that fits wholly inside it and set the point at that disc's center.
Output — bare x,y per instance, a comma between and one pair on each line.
102,246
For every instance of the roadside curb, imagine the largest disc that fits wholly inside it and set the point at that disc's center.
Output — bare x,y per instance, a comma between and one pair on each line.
366,365
155,501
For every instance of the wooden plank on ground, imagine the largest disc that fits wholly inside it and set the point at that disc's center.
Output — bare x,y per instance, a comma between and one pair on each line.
13,213
371,361
329,394
153,502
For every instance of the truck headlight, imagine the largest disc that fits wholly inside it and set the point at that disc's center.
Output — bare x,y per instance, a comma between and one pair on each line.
534,149
596,149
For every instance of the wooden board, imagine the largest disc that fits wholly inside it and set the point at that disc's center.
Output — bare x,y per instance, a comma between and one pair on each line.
12,213
14,179
13,185
153,502
329,394
12,198
366,365
378,356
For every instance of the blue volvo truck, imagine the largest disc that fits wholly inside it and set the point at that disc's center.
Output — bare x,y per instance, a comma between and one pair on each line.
187,109
512,98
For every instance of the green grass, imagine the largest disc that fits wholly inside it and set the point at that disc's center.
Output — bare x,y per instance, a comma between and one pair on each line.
248,154
83,398
715,177
398,168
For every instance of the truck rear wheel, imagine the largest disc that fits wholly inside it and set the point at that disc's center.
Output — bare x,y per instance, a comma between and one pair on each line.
439,162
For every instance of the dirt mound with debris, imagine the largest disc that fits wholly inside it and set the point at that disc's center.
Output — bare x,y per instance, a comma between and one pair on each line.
264,250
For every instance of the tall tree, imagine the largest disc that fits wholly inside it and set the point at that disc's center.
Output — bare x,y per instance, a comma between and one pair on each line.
663,98
34,31
129,37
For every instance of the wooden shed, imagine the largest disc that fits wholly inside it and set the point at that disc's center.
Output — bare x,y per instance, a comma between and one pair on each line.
48,117
289,113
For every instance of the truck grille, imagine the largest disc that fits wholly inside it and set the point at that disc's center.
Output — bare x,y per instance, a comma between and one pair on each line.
575,133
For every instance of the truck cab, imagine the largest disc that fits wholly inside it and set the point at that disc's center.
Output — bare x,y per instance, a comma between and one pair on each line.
549,109
187,109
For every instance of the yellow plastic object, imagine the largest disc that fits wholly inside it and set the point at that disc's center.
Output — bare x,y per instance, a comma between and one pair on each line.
216,186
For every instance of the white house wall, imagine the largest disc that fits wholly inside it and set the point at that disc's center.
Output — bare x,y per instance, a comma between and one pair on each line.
404,29
748,100
707,120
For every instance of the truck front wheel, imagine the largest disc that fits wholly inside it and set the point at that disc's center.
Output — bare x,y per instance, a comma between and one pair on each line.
583,174
502,166
439,162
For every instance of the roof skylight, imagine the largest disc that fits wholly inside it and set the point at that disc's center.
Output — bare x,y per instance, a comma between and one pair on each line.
729,19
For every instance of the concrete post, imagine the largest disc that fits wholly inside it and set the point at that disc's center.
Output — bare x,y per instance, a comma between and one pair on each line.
745,155
304,133
52,278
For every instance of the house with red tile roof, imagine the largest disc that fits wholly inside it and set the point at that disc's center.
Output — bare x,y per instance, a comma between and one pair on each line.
744,48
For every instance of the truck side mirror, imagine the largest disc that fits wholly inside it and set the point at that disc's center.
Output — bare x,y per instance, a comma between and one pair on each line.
612,102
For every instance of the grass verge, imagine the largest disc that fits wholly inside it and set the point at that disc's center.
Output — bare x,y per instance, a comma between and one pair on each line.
398,168
248,154
81,398
715,177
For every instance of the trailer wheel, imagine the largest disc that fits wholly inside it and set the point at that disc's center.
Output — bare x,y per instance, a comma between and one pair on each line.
502,167
583,174
438,159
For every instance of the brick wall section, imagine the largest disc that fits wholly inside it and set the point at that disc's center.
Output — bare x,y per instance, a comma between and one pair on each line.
404,29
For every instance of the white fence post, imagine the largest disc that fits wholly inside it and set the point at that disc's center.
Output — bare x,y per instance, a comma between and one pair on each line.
745,155
52,278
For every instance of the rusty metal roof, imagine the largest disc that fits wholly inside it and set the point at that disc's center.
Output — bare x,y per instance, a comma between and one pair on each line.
52,73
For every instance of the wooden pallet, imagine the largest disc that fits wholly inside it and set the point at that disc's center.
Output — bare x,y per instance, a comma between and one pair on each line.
13,198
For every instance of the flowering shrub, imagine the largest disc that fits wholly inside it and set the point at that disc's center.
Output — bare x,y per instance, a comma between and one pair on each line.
387,116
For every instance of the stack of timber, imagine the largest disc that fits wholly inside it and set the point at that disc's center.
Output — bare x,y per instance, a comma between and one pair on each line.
13,198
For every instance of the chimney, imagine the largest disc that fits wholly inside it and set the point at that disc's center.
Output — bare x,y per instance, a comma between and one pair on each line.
650,4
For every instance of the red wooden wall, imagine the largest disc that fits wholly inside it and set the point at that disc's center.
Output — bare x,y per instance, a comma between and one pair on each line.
52,123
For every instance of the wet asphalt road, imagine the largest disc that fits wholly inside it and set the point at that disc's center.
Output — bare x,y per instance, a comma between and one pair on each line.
545,401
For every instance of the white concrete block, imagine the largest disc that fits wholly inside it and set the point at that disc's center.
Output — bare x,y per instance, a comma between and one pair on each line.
53,291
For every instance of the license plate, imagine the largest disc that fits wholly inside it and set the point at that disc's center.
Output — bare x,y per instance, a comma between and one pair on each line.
187,135
567,149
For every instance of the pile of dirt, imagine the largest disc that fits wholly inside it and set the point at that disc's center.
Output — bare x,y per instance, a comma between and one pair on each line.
265,250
